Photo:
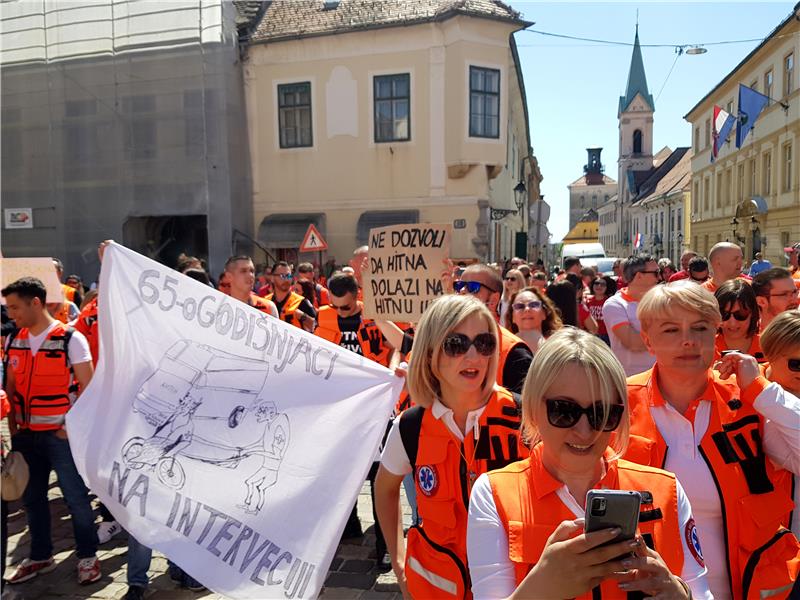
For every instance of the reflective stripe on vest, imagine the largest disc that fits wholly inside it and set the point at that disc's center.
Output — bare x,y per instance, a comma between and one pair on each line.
530,520
443,478
446,585
754,495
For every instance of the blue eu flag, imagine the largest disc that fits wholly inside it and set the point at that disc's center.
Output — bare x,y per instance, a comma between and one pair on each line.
751,103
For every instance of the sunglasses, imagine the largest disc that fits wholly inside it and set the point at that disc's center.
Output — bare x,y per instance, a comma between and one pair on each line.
566,413
285,276
533,305
457,344
655,272
600,283
794,364
738,315
511,279
473,287
345,307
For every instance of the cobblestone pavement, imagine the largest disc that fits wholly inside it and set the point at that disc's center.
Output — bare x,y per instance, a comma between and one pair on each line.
352,573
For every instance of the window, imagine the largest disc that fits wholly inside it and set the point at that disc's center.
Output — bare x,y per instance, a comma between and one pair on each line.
696,140
768,83
718,190
787,167
392,98
140,127
696,197
728,197
12,137
637,141
740,182
484,102
594,201
706,193
752,176
708,133
788,74
80,131
730,107
767,185
294,115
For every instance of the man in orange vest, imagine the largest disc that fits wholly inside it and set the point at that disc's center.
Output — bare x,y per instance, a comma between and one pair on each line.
241,276
292,307
306,271
70,293
47,365
793,255
775,293
485,284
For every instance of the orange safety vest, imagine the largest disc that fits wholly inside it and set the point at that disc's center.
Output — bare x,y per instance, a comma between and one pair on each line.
69,292
444,471
754,350
508,341
45,389
373,345
528,505
763,556
287,313
87,325
260,303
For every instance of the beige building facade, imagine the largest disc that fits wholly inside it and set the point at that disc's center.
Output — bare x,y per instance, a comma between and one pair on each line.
364,119
751,196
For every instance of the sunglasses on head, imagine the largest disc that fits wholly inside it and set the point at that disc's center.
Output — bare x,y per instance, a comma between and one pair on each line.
566,413
738,315
457,344
533,305
473,287
794,364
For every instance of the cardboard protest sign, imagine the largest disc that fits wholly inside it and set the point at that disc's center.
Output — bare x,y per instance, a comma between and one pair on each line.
405,268
231,441
39,267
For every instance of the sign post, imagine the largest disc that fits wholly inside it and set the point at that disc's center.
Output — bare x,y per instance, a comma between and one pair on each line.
314,242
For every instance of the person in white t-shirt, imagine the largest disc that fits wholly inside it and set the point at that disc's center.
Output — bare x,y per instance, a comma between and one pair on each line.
49,364
525,535
619,314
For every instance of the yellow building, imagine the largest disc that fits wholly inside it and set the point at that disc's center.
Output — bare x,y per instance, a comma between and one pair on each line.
751,196
371,114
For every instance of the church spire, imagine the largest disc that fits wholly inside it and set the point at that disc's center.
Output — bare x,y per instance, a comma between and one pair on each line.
637,81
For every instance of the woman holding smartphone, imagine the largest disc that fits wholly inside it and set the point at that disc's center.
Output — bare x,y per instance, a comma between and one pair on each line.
463,424
525,536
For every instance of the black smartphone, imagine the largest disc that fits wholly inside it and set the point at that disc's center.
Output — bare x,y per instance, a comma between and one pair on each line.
613,508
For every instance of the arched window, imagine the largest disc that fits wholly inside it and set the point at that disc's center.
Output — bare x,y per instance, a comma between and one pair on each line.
583,202
637,141
594,201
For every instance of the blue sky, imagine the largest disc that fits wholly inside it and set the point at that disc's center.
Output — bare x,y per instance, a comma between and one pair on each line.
573,87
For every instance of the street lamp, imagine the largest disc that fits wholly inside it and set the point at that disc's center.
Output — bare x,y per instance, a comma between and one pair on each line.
521,241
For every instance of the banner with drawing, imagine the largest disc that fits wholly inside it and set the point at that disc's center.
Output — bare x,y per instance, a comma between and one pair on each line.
232,442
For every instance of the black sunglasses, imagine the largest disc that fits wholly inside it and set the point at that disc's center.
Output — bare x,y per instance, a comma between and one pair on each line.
457,344
794,364
738,315
473,287
566,413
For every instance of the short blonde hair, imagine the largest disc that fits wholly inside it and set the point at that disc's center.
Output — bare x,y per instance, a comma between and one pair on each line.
518,277
660,301
607,380
441,317
782,336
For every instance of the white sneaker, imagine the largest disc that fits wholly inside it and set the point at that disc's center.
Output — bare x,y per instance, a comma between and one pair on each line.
107,530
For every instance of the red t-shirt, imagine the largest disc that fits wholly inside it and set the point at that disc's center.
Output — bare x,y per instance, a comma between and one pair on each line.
595,307
678,276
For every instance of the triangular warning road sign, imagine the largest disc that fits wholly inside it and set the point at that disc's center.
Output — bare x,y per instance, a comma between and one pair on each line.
313,241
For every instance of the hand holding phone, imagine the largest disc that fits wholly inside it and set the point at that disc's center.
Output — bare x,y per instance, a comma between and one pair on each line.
613,508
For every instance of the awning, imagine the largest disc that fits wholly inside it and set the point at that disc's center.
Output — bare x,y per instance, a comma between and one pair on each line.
382,218
286,230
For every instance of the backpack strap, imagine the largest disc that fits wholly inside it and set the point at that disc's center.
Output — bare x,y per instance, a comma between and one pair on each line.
410,427
9,342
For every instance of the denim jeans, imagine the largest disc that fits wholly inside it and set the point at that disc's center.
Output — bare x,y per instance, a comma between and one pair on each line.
139,557
45,451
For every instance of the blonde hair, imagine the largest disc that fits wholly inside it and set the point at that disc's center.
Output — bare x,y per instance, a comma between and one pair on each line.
782,336
660,301
518,277
607,383
441,317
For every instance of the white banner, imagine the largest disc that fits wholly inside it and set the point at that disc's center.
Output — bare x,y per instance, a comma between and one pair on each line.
232,442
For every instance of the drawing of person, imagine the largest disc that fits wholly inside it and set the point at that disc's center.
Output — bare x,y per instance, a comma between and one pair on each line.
271,447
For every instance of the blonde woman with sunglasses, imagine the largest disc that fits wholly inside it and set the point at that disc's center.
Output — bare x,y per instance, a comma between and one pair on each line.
463,426
526,537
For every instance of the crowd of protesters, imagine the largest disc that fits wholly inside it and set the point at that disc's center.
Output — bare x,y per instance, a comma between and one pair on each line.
688,378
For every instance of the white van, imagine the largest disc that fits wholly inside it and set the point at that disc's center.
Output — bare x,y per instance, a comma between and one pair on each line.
591,250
